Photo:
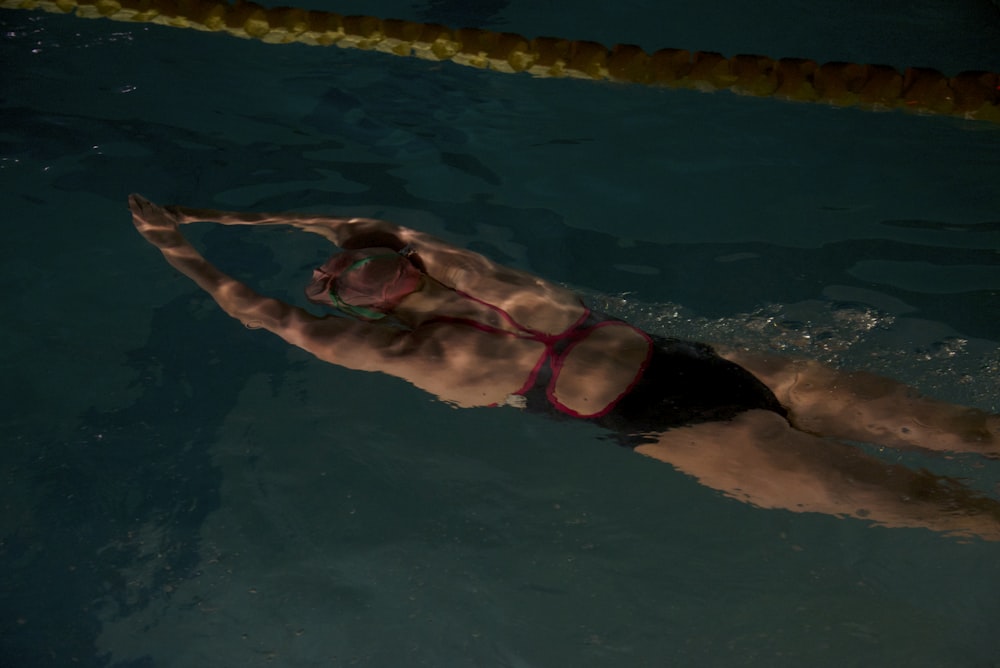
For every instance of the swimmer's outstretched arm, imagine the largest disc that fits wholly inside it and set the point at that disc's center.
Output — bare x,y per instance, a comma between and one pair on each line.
445,361
340,231
337,340
520,293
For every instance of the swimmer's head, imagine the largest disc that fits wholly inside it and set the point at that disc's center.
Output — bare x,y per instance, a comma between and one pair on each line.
367,283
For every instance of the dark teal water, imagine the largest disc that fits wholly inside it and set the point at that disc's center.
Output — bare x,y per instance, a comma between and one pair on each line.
181,491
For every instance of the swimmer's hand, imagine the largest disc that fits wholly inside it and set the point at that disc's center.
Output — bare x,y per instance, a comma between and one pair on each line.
157,224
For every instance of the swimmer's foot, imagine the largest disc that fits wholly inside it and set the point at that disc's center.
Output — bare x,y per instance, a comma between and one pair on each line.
956,429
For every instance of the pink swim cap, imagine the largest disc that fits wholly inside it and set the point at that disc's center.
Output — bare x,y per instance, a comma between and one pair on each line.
368,282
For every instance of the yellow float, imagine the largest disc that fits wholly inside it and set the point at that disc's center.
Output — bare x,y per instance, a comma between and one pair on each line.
970,95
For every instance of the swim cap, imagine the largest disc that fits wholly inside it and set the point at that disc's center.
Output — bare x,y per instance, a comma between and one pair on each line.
368,282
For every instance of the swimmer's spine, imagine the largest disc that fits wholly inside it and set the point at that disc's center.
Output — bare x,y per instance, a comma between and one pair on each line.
971,95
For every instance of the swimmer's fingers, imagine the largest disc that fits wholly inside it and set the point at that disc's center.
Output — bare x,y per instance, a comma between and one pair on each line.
147,215
156,224
139,205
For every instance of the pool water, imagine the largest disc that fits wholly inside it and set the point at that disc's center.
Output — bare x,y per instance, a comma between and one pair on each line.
181,491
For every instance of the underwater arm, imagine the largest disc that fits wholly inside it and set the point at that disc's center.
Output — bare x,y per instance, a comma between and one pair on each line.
342,232
455,267
349,233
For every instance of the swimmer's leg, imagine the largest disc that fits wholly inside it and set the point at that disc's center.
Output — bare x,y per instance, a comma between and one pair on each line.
758,458
861,406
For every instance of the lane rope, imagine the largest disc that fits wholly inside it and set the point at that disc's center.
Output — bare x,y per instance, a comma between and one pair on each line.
973,95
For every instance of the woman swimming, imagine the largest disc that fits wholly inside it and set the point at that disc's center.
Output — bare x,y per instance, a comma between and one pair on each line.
474,333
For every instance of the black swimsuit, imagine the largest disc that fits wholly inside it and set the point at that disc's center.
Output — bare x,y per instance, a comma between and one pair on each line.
683,383
679,383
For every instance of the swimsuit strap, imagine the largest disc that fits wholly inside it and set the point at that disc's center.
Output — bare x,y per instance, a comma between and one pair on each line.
550,341
552,355
557,362
533,334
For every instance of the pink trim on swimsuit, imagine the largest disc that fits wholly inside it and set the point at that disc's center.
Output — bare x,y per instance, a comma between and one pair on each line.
574,334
